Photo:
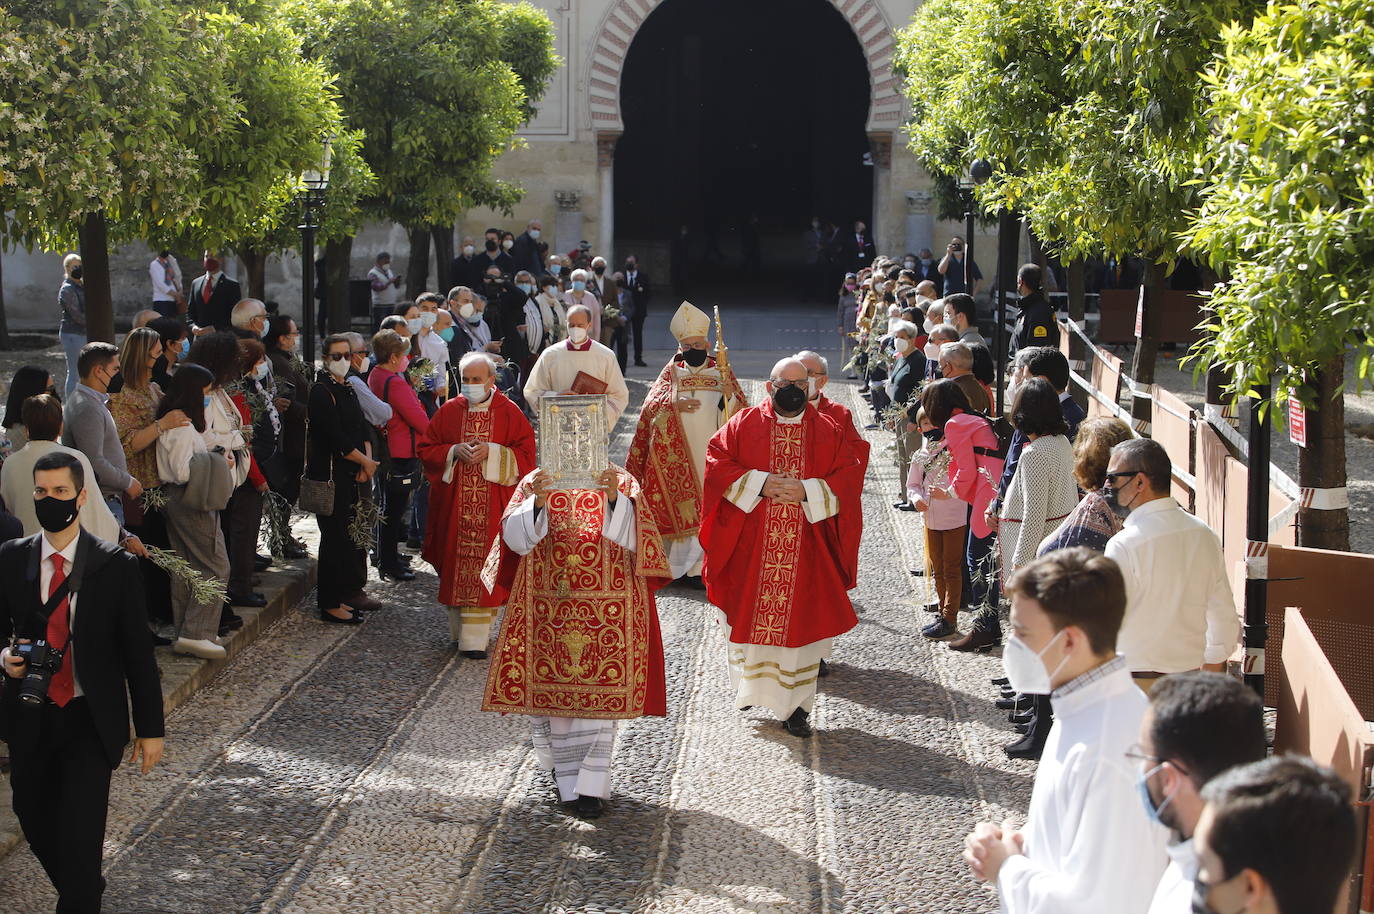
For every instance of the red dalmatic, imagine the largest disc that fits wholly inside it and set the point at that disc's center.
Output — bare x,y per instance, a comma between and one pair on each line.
465,514
779,579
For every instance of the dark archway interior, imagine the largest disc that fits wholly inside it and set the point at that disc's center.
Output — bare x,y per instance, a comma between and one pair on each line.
743,119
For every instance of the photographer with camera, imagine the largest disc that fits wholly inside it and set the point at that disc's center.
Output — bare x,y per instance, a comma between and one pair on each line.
70,679
951,267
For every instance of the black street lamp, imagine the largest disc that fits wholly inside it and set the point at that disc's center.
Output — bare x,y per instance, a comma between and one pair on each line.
980,172
315,183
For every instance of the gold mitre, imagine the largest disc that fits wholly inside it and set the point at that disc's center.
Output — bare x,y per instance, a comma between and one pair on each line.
689,321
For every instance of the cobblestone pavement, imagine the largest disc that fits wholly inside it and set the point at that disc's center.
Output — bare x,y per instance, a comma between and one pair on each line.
349,769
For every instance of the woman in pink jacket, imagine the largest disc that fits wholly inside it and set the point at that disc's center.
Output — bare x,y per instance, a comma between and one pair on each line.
974,470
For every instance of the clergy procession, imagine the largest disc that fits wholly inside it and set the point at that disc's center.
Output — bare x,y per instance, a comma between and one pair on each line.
813,669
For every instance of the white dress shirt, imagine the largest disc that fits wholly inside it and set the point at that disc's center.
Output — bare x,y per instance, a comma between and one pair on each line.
163,288
1174,895
1089,846
1179,610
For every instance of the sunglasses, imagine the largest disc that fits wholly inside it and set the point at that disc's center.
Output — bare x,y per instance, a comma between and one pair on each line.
779,384
1121,474
339,356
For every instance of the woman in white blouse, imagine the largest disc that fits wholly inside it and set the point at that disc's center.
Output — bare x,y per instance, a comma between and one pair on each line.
195,533
1043,491
579,294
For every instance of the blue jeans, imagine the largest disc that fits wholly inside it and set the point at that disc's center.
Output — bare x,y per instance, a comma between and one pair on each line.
116,505
71,345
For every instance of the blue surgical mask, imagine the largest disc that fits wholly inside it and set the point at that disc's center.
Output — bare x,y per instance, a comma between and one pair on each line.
524,287
428,318
446,334
183,345
1154,812
206,402
474,319
579,285
555,268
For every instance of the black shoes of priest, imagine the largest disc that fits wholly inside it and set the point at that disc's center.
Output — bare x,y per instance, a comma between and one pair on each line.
693,581
474,655
799,724
824,670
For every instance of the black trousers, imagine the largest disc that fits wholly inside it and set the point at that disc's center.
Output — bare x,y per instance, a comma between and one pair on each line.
637,321
241,520
61,780
396,500
342,565
157,586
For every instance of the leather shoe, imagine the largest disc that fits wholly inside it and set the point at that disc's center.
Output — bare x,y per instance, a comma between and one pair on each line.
1021,717
591,807
295,551
400,575
939,630
976,640
159,641
1023,729
363,603
262,562
903,506
799,724
356,618
1001,681
918,572
474,655
199,647
693,581
824,670
1017,703
253,599
1030,746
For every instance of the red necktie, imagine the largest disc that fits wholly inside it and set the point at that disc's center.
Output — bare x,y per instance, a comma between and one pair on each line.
206,289
63,685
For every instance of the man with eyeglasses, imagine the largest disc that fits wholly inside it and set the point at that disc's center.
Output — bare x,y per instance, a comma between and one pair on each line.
692,398
780,521
1198,726
1179,612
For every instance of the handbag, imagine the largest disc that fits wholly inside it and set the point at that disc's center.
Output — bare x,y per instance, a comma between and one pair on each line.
316,495
398,480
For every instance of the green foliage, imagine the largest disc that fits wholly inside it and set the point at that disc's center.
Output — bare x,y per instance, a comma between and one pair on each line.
1288,203
434,87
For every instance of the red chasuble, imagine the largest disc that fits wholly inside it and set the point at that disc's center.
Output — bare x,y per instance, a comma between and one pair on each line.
660,457
780,580
858,447
580,636
465,514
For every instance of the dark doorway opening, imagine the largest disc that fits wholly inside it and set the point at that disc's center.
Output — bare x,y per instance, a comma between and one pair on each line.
743,119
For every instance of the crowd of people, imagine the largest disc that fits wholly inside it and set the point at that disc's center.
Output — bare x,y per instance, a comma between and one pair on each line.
202,433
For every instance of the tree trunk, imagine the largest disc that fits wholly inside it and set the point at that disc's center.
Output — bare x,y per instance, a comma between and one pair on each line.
95,266
1147,342
1078,350
443,256
1321,465
417,271
255,262
337,256
4,322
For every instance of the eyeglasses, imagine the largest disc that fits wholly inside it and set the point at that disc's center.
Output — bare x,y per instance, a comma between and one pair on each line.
701,346
1137,753
338,356
780,384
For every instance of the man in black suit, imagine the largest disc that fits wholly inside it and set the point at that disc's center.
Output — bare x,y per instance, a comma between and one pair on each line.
213,296
637,284
526,250
856,249
85,596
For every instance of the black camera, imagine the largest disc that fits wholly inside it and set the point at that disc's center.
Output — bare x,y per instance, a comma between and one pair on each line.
42,661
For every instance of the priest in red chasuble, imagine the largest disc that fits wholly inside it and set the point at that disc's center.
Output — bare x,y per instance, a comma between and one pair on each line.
579,648
690,401
476,449
781,522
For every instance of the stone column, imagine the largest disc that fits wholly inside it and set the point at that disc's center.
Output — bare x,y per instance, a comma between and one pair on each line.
605,168
884,225
567,226
920,228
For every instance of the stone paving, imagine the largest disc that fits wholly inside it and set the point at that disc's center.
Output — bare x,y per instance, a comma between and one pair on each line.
349,769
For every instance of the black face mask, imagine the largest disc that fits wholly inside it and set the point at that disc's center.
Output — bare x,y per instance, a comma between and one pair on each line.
78,272
694,357
55,514
598,270
789,399
934,434
490,246
1112,496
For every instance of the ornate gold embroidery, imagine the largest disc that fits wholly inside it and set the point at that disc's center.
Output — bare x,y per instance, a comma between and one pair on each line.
782,534
474,493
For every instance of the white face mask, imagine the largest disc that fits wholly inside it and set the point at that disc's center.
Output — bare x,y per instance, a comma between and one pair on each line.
428,318
414,325
902,345
534,233
932,351
339,367
928,324
262,370
508,244
578,335
474,393
466,310
1025,671
467,250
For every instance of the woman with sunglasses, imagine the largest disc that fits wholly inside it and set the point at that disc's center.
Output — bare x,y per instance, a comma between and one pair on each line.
338,450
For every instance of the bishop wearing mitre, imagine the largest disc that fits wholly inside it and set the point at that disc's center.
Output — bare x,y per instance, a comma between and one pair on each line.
580,648
477,447
781,516
692,398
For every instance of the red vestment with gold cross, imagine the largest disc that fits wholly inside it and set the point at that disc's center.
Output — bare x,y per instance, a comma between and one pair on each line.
660,457
580,636
779,579
465,514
